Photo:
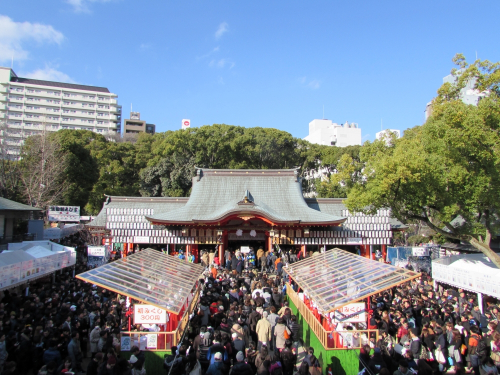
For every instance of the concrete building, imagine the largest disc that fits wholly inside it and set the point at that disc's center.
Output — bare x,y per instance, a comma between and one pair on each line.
326,132
134,125
31,106
469,94
387,132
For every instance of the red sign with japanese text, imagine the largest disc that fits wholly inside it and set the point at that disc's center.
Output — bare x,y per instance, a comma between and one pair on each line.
149,314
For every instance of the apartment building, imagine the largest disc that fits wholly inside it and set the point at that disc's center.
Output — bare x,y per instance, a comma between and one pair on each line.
134,125
30,106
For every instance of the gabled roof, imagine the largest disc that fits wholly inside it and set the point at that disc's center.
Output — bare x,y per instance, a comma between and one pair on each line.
8,205
275,195
335,206
157,204
336,278
149,276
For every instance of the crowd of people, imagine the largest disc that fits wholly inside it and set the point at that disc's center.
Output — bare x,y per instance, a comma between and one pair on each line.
243,325
427,331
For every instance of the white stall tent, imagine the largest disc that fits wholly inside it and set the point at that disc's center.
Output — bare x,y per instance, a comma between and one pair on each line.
31,260
472,272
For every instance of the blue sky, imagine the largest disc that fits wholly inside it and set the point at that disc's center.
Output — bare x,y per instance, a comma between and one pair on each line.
253,63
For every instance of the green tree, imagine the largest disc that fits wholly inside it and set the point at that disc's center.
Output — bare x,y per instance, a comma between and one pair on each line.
82,170
118,172
445,173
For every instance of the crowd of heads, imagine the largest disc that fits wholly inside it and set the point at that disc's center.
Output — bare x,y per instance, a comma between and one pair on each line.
429,330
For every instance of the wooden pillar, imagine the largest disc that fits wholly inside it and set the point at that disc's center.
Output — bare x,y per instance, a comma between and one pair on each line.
172,248
303,250
384,252
269,244
188,251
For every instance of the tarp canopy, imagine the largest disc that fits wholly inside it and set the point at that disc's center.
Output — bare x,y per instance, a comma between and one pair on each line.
39,252
472,272
148,276
336,278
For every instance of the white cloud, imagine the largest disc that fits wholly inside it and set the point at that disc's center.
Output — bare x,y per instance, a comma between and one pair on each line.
216,49
14,34
49,73
82,6
313,84
223,28
221,63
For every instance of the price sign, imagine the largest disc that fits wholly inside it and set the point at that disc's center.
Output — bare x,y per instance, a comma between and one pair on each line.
149,314
351,313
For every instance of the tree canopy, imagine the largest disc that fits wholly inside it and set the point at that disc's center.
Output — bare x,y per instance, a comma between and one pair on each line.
445,173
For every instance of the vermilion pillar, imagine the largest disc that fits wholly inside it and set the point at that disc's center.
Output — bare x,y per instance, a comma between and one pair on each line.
303,250
194,251
384,252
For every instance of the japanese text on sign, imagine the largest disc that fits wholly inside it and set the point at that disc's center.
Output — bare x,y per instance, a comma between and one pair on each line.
149,314
353,313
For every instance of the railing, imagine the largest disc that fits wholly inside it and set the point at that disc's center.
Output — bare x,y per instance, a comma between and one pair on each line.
334,339
165,340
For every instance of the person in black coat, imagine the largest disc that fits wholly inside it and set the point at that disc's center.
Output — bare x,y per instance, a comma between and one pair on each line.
241,367
377,362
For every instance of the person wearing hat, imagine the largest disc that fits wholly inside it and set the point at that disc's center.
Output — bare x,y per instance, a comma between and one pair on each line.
263,331
241,367
217,367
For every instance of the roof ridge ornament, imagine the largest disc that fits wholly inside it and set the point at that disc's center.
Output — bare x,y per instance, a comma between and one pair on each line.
247,199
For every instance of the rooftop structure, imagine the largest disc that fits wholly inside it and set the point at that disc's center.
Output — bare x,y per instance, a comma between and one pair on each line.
336,278
134,125
11,211
31,106
326,132
150,277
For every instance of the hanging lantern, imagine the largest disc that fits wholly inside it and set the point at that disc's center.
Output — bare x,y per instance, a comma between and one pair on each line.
253,233
239,233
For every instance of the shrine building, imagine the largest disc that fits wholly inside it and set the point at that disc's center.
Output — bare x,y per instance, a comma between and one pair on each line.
231,208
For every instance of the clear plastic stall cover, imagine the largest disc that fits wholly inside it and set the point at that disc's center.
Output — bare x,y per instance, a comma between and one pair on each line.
148,276
336,278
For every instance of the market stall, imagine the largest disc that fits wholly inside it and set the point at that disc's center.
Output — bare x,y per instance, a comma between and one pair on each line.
472,272
329,285
30,260
159,281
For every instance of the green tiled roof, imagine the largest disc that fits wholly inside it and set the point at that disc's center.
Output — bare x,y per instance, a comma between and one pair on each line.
8,205
158,204
273,194
335,206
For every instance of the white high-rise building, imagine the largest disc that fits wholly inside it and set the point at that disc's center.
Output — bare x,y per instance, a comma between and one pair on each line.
30,106
326,132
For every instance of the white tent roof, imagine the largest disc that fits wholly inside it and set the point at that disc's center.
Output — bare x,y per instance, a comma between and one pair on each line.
473,272
10,257
39,252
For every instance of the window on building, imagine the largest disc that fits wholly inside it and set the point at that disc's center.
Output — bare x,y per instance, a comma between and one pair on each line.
99,122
